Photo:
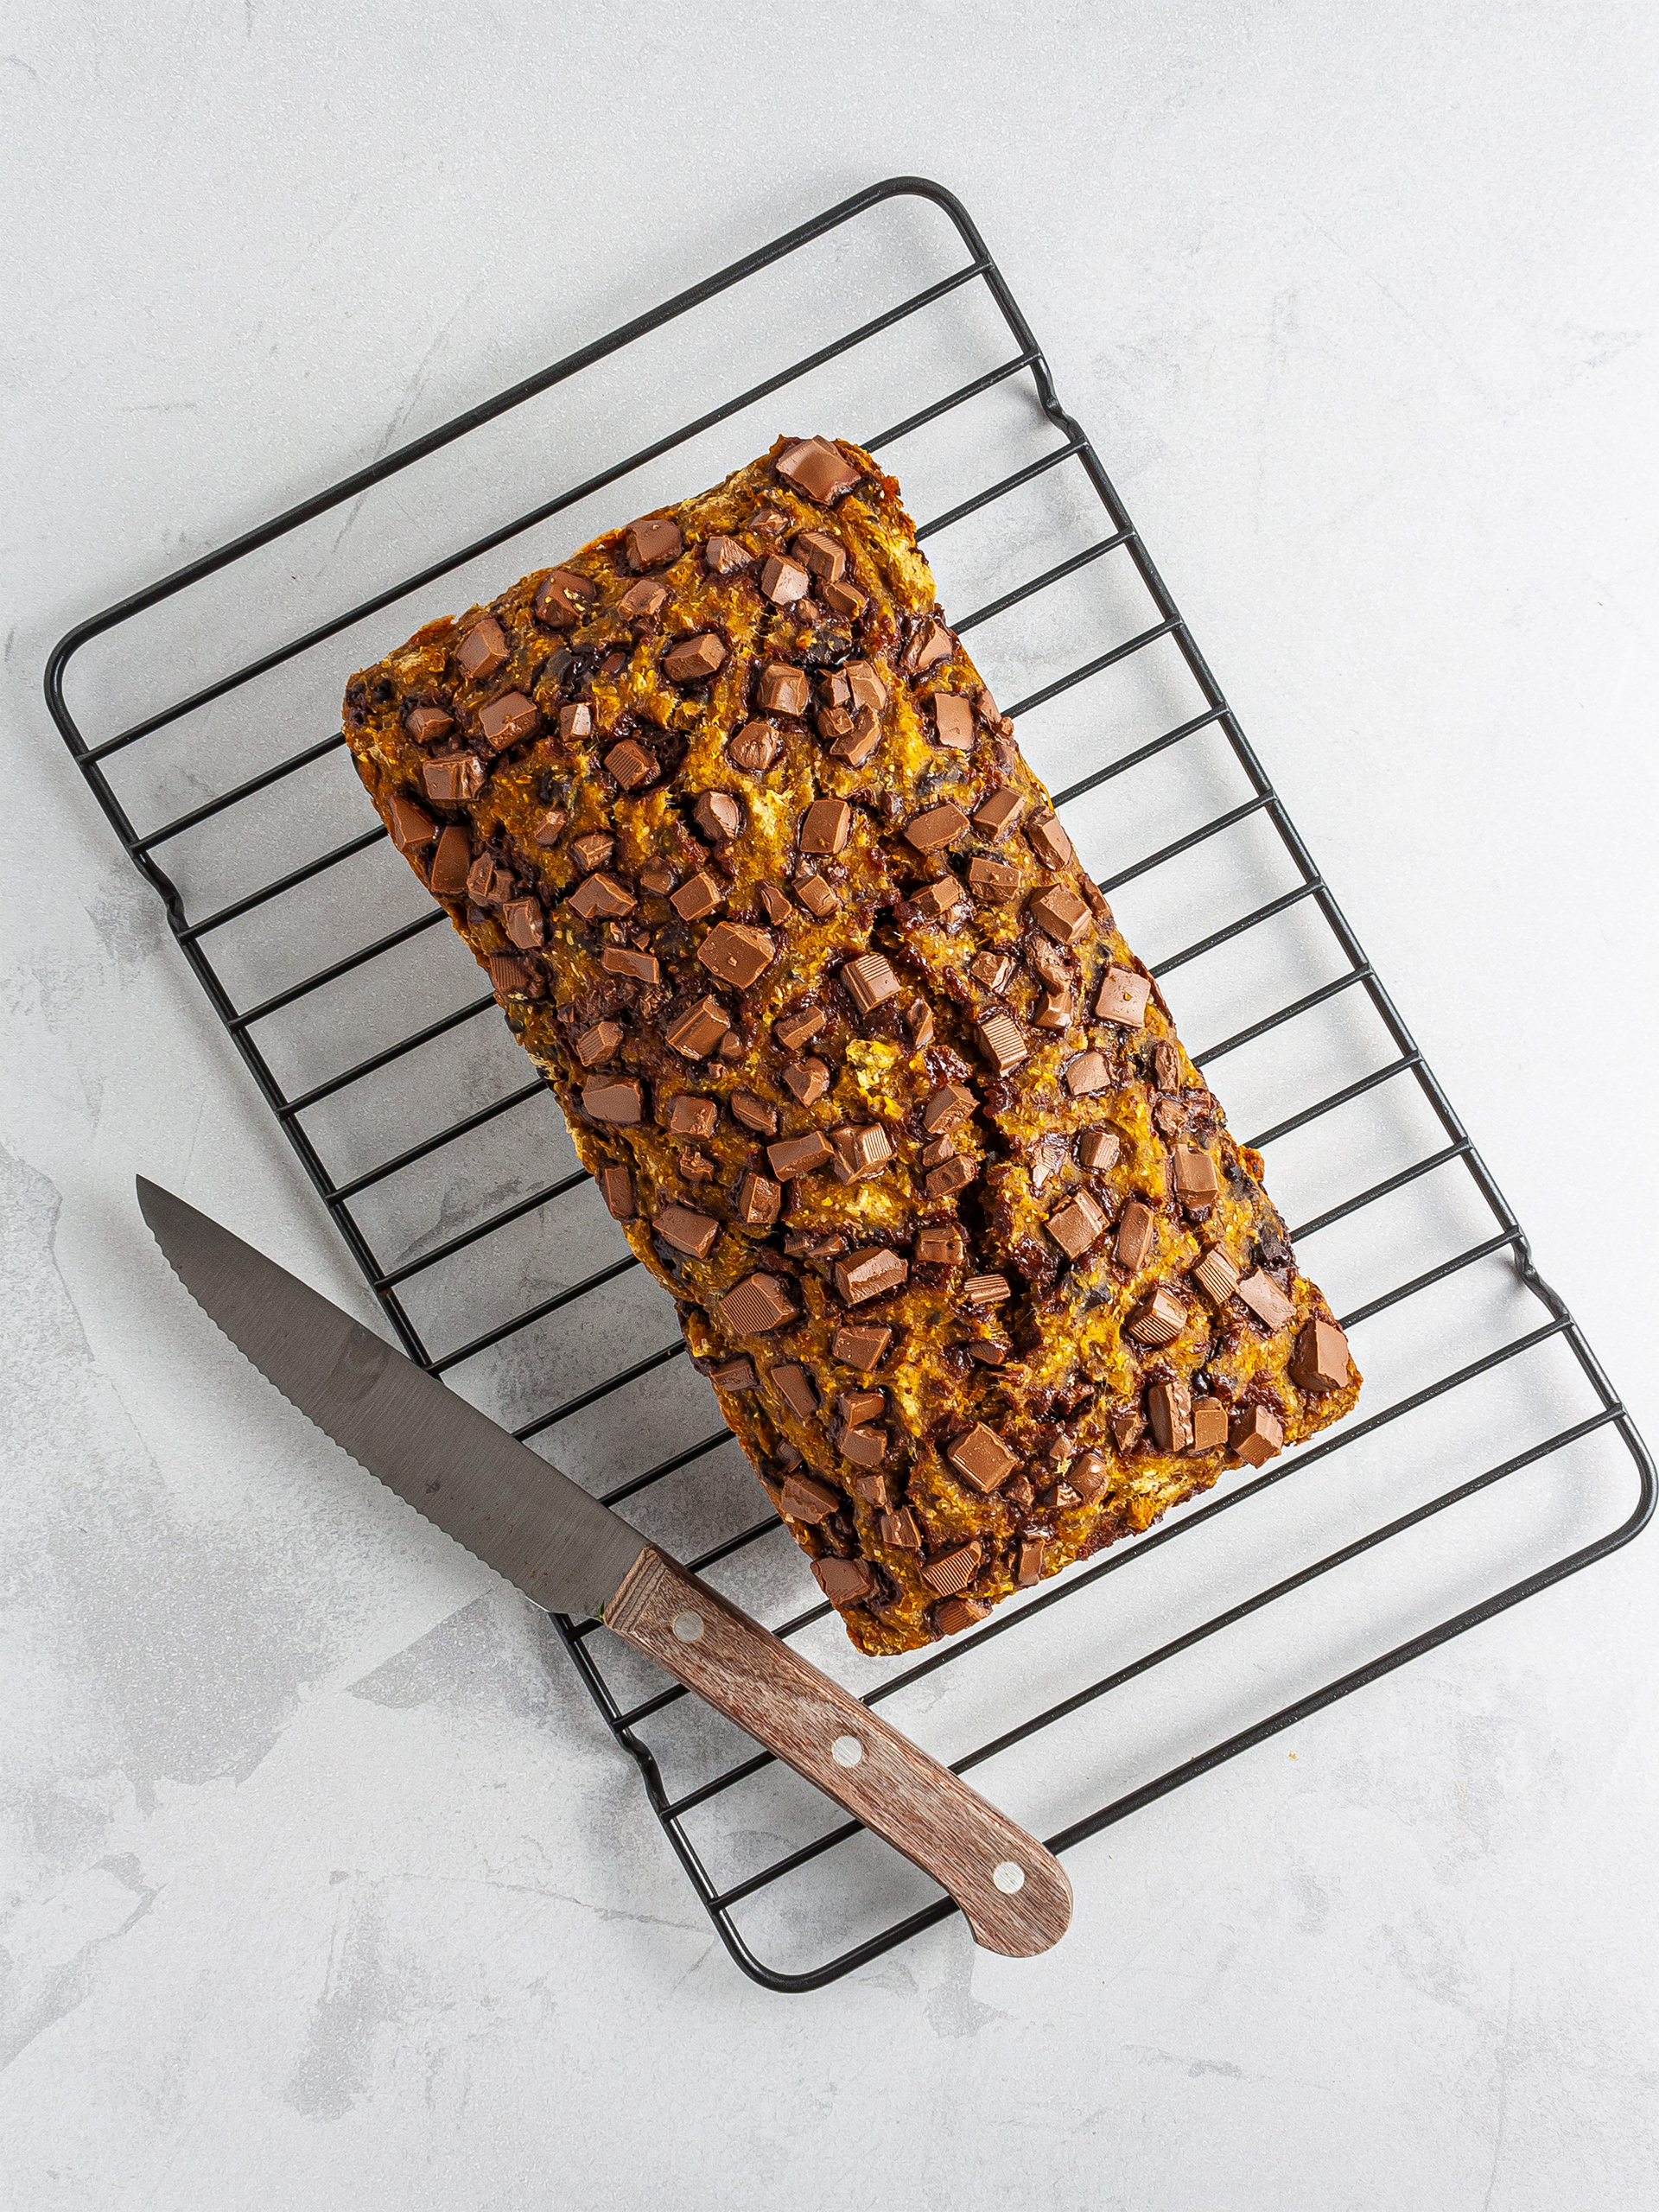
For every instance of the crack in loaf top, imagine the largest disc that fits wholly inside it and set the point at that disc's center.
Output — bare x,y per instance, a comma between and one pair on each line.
849,1041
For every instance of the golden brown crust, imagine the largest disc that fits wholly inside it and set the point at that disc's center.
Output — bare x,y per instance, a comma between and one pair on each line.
759,849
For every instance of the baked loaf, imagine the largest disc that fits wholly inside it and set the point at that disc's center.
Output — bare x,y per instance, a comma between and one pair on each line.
849,1042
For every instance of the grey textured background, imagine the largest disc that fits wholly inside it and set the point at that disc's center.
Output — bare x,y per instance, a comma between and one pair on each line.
323,1885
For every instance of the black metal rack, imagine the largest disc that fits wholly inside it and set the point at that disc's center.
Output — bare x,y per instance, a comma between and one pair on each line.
1008,1655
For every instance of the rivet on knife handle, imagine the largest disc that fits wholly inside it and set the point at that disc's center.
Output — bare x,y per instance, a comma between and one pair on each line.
1013,1893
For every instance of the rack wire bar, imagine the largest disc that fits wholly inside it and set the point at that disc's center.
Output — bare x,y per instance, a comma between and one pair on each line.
388,1275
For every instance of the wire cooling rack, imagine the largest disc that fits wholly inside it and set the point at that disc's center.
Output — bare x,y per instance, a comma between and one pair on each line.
1490,1456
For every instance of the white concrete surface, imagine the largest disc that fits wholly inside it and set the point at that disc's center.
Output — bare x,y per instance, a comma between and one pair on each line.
305,1912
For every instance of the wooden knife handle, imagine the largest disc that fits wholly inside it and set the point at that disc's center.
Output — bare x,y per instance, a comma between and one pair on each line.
1013,1894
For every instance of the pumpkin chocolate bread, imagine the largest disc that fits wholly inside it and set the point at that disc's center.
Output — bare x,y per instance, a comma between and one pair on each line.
849,1041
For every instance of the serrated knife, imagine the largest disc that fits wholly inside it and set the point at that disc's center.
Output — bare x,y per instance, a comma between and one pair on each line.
570,1554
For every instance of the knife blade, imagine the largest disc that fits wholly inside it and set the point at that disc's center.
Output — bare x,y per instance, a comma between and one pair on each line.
569,1554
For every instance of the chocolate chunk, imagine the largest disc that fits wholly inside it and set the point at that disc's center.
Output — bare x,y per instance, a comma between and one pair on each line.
690,1115
1054,1010
797,1390
919,1022
953,721
1208,1424
1128,1425
599,1042
525,923
758,1200
740,956
695,1166
952,1571
793,1156
980,1292
826,825
452,781
816,468
992,969
1134,1236
632,765
1320,1362
865,1448
487,885
775,904
860,1345
1169,1410
865,688
782,580
641,602
1124,997
1088,1475
1000,1042
734,1374
411,826
564,599
807,1082
819,897
992,881
1158,1318
825,555
483,651
506,721
613,664
958,1613
844,1581
592,849
995,816
1265,1299
698,896
1216,1275
619,1099
1194,1175
871,1272
426,725
451,862
870,980
859,1152
769,521
754,1113
685,1232
807,1499
548,827
1257,1435
509,975
855,745
754,749
694,1033
1099,1148
939,899
616,1188
842,598
725,556
1166,1066
941,1247
950,1177
783,689
694,660
794,1030
898,1530
1062,913
758,1304
981,1457
575,722
718,817
930,832
1048,1158
1048,840
1029,1571
652,541
601,899
1076,1226
931,643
